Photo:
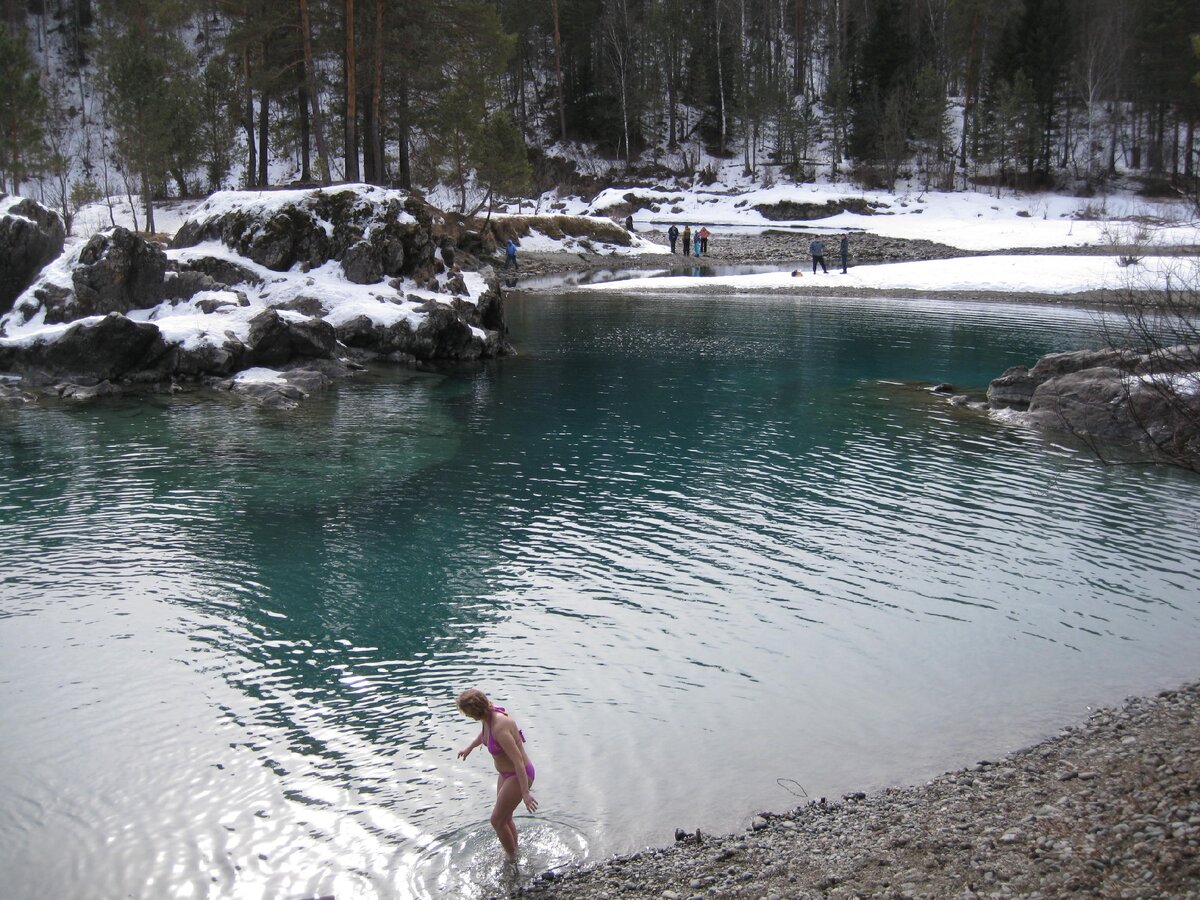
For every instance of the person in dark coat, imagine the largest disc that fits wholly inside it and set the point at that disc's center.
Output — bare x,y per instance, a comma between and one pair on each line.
844,247
672,236
817,249
687,240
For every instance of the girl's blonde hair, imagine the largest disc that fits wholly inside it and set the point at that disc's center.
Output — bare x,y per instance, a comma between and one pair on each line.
474,703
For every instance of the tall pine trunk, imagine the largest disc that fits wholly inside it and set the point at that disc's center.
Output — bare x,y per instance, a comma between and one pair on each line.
264,120
305,133
351,82
248,115
375,132
562,105
801,46
310,76
404,124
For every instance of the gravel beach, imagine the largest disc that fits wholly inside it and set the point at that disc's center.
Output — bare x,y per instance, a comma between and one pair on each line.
1110,808
790,249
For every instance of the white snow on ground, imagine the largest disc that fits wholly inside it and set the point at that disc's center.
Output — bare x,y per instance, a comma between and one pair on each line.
259,375
263,204
968,220
7,203
999,274
97,217
537,242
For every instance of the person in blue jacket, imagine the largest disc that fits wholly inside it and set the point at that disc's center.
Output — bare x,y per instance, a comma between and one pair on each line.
817,249
510,255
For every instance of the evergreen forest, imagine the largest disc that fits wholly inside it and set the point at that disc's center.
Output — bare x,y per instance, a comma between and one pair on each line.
501,98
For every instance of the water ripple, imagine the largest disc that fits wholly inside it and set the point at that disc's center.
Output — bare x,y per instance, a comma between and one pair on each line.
677,537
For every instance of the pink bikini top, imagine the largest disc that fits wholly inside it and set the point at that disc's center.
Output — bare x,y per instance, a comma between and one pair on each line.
494,748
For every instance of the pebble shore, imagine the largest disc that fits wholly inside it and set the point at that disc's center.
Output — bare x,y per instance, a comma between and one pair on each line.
1110,808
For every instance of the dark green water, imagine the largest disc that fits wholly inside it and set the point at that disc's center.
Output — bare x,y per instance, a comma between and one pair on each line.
695,545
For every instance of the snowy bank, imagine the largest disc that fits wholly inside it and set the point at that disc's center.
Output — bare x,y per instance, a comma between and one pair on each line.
1023,274
256,279
967,220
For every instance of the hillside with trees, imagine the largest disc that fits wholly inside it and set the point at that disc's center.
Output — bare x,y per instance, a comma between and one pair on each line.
497,98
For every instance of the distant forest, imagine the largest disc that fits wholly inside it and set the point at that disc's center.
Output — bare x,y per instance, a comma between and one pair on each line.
162,98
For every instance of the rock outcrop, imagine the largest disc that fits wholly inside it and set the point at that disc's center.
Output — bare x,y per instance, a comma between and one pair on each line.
30,237
256,280
373,236
1112,397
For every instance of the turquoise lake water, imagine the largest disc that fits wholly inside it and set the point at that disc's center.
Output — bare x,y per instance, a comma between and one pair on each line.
711,552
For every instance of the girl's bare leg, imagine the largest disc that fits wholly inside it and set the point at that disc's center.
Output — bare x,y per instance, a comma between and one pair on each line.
508,795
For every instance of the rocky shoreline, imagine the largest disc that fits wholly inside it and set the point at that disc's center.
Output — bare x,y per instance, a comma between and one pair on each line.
791,248
1110,808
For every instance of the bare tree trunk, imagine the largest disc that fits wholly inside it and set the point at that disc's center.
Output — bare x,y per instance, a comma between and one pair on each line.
264,124
801,46
562,106
248,120
375,132
148,200
305,133
314,99
720,76
969,98
404,124
1189,149
351,81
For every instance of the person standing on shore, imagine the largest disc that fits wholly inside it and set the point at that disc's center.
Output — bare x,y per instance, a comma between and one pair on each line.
704,233
696,242
844,247
506,742
672,236
510,255
817,249
687,240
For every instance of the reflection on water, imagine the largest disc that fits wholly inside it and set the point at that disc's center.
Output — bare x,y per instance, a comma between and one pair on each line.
679,538
670,265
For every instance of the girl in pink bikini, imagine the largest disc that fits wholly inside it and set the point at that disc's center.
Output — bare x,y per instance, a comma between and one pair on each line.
505,741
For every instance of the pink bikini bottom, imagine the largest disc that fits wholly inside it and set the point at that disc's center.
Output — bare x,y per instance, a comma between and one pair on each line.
504,776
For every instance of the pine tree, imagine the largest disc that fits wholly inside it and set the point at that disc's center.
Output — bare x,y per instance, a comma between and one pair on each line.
22,108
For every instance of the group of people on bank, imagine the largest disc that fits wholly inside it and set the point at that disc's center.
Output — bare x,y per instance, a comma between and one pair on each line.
693,244
816,250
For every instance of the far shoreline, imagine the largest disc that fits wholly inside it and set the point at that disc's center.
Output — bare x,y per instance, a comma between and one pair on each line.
789,250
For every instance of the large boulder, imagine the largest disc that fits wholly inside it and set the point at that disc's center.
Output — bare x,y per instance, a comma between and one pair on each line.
445,333
223,271
1012,390
30,237
372,234
110,349
117,271
1114,407
1112,397
275,340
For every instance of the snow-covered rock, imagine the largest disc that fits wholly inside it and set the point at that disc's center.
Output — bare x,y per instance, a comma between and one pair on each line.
30,237
256,280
